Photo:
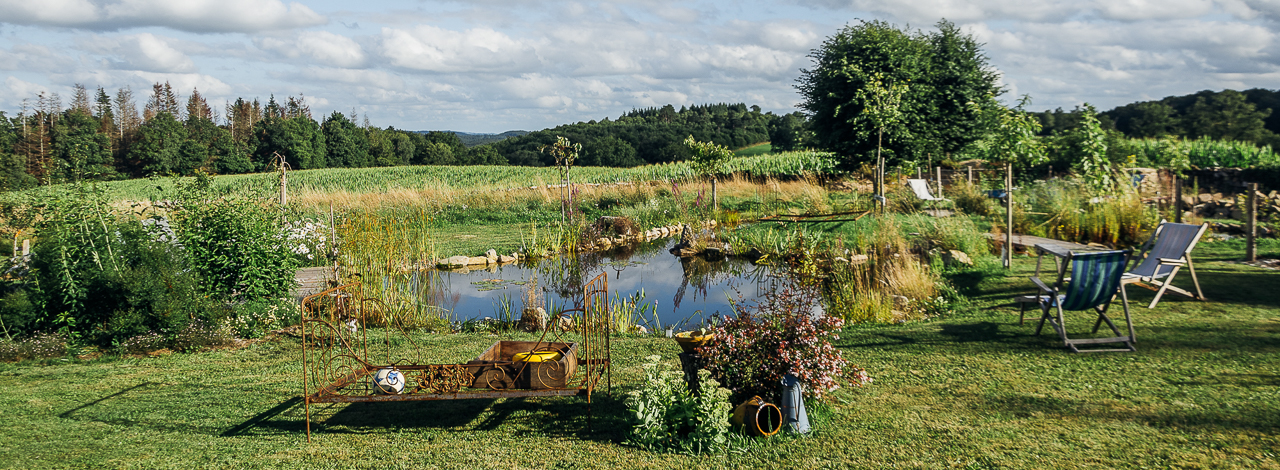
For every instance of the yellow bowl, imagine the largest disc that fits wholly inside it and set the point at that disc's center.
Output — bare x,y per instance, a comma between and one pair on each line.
544,356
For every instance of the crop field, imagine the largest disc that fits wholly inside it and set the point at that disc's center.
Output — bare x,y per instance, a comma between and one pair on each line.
456,178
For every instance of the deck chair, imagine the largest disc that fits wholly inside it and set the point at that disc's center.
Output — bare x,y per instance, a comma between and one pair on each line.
1168,250
921,189
1095,279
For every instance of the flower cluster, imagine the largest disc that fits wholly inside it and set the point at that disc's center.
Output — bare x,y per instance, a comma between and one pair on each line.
36,346
307,238
146,342
786,333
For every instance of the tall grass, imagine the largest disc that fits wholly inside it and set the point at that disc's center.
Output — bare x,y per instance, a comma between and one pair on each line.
1063,209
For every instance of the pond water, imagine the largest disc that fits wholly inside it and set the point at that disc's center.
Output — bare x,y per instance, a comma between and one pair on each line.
660,288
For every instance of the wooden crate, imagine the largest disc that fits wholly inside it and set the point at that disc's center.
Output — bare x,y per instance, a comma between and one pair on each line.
493,368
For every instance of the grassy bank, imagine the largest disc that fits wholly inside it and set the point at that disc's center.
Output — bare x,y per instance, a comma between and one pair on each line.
971,390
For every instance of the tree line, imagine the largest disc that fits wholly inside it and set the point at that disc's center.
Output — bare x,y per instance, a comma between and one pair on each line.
656,135
103,137
1219,115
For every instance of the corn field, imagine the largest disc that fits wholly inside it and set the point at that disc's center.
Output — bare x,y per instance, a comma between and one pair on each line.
370,180
1203,152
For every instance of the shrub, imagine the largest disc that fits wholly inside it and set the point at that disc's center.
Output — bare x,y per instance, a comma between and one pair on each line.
237,245
666,416
786,333
36,346
99,275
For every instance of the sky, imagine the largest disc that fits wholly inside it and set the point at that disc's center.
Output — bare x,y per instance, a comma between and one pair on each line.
497,65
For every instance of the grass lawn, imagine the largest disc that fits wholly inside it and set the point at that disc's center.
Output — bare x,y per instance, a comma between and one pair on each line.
971,390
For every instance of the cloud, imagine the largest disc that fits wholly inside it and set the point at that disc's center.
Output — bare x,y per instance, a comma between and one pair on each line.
352,77
183,83
143,52
321,46
432,49
34,58
198,16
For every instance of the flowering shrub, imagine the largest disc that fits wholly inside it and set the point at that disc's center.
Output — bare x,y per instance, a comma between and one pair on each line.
666,416
308,240
36,346
255,318
786,333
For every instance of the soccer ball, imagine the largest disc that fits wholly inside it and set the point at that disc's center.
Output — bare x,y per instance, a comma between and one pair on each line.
388,381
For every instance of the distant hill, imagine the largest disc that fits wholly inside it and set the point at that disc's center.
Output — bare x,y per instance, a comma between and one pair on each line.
472,139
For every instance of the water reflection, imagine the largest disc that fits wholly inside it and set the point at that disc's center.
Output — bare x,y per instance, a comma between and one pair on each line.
685,290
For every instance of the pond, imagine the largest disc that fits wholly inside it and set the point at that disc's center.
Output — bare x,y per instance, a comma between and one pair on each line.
659,289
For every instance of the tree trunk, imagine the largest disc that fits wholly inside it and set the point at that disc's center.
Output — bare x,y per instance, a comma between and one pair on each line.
1008,215
879,171
715,197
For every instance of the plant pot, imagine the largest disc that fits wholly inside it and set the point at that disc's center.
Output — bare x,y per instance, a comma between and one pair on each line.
758,418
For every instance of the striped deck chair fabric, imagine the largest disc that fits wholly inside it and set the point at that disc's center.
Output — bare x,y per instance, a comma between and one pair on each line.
1093,284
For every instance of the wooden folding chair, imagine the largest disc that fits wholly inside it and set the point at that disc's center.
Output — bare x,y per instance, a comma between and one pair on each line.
1095,279
921,189
1166,252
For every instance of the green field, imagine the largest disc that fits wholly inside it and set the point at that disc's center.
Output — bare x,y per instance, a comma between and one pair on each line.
971,390
451,178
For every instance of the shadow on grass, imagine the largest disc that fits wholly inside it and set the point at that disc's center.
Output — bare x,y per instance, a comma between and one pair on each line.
268,419
603,420
1259,418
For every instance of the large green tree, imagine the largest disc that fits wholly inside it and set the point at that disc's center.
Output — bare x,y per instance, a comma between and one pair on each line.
347,144
298,139
77,144
944,71
1227,116
157,149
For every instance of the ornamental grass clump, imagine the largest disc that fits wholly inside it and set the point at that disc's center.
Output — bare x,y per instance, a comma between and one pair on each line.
787,332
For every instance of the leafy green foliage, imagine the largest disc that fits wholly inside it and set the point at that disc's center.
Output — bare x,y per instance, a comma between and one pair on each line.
708,158
237,245
99,275
946,71
1011,135
756,348
665,415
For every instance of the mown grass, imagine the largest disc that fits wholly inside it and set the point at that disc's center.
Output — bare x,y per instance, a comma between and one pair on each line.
970,390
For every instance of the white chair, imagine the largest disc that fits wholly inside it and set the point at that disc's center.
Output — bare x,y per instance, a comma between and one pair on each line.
921,190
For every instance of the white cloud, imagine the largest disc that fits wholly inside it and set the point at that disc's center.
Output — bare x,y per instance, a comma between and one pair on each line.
200,16
322,46
432,49
34,58
354,77
144,52
183,83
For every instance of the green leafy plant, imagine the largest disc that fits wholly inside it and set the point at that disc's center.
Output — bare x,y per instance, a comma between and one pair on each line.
666,416
237,245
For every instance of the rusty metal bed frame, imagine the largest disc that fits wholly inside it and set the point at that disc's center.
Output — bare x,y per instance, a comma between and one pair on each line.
339,357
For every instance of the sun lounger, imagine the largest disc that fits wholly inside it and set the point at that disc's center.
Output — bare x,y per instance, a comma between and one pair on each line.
1168,250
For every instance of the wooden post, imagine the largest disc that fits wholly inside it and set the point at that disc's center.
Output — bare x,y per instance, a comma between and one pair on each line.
1177,199
1251,225
1008,216
284,183
715,198
970,175
939,182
